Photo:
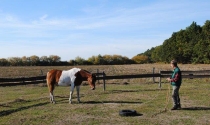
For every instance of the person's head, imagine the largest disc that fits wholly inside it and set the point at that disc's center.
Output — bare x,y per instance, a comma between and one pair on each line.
173,63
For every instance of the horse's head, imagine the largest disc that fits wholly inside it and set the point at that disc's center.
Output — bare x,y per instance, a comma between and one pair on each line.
92,80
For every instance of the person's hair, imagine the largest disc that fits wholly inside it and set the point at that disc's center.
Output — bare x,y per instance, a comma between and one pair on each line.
174,62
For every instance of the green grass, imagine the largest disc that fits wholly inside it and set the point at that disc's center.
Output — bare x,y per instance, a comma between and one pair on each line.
30,104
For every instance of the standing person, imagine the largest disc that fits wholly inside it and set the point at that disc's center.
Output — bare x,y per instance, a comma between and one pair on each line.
176,81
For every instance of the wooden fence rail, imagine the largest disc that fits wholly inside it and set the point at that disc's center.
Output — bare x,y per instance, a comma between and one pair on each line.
102,76
22,81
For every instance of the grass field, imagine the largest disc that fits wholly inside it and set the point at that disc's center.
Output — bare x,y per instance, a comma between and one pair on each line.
30,104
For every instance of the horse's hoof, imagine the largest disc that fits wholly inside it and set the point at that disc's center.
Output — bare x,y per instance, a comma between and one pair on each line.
70,102
53,102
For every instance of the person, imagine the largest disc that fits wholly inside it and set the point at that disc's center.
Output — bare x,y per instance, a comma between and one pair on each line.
176,81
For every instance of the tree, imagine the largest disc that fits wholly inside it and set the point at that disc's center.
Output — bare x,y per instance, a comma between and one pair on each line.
202,52
4,62
26,61
92,60
54,60
15,61
34,60
79,60
140,59
206,31
44,60
155,54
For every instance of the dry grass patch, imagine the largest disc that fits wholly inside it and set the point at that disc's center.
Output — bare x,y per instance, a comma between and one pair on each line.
30,104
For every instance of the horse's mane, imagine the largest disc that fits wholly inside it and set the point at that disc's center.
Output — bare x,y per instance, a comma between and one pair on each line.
93,74
86,71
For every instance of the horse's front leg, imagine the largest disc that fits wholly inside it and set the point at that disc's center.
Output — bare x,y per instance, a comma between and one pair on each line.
78,98
71,93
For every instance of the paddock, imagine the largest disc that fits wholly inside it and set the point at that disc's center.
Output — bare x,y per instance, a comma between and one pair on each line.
29,104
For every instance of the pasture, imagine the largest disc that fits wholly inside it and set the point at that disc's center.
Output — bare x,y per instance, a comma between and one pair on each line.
30,104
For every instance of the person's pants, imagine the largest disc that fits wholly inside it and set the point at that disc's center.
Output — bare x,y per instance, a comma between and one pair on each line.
175,95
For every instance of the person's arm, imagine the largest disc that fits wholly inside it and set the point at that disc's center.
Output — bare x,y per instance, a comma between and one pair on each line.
176,78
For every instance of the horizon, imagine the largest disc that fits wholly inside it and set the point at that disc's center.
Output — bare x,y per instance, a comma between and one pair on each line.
72,28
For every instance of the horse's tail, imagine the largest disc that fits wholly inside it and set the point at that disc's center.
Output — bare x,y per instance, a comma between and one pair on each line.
47,78
49,85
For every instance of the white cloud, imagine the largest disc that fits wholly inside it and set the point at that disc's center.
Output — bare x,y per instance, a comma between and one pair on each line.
119,30
43,17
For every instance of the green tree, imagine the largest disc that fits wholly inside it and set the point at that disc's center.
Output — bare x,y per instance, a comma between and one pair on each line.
44,60
79,60
4,62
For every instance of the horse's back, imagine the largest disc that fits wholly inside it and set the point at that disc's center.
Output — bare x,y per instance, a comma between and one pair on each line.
73,71
68,77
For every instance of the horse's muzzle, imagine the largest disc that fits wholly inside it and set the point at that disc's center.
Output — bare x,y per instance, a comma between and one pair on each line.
93,88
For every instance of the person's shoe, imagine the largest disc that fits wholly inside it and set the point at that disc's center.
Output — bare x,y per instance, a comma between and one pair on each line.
179,106
175,107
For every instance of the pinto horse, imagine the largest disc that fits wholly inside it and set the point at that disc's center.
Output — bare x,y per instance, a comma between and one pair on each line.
73,77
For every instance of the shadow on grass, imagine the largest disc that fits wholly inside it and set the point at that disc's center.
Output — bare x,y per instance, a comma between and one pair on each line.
137,114
110,102
120,91
196,108
10,111
4,105
65,99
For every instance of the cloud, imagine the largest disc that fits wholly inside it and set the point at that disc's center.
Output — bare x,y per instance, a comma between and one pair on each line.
43,17
101,29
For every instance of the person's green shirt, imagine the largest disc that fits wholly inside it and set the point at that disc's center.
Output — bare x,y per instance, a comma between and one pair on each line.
176,77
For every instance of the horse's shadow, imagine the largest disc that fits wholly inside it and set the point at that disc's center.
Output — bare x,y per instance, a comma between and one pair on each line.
196,108
110,102
65,99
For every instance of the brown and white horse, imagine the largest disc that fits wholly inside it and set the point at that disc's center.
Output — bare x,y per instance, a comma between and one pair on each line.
72,77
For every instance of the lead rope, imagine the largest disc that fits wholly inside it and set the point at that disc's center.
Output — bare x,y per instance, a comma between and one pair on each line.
167,97
166,103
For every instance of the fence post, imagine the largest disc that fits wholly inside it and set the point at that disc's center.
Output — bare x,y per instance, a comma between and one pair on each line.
160,80
98,75
23,80
104,77
153,71
41,72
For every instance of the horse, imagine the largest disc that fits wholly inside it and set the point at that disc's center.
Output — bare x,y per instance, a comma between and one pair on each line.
73,77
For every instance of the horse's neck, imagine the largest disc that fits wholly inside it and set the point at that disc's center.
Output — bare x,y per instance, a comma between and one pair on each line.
85,74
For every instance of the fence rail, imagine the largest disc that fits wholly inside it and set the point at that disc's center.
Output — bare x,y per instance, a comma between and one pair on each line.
102,76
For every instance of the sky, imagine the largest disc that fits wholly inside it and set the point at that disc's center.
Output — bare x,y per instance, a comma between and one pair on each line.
86,28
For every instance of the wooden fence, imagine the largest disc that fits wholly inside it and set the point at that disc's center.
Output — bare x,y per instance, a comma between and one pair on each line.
104,77
22,81
186,74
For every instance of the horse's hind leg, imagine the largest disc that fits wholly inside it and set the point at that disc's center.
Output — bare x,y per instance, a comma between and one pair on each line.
52,98
51,88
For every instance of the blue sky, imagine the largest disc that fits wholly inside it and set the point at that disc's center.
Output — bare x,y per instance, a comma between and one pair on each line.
85,28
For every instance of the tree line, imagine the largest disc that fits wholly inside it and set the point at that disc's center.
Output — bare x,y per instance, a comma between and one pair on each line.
54,60
189,45
31,61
